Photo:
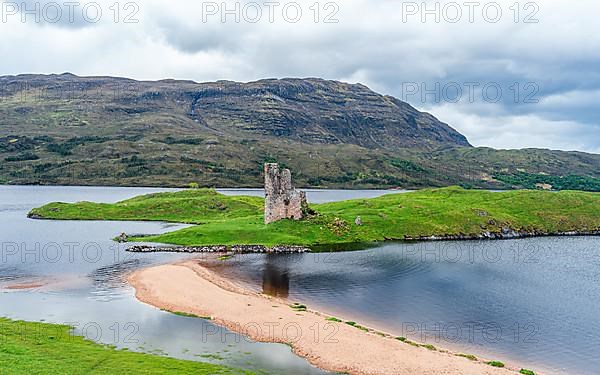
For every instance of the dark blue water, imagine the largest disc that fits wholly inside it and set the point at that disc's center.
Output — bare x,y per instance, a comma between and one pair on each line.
532,302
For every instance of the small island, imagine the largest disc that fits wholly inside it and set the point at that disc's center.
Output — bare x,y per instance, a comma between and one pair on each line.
451,213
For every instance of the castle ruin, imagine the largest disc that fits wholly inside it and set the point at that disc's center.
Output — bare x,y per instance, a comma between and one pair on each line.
282,201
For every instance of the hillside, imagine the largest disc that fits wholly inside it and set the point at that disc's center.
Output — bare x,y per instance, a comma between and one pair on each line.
64,129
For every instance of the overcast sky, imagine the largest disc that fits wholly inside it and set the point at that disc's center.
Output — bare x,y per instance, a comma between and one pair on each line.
506,76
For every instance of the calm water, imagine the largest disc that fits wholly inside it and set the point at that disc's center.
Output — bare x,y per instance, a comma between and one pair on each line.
532,301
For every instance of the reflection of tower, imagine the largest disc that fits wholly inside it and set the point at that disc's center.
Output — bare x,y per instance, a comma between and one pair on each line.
276,281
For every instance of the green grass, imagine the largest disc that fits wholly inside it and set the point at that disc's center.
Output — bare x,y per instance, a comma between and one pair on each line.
298,307
447,211
188,315
467,356
333,319
495,364
40,348
526,372
356,325
411,343
194,206
428,346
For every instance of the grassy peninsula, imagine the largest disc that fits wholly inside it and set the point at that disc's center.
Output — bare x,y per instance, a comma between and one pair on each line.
447,212
40,348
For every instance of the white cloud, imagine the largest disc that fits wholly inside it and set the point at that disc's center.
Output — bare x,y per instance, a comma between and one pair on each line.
521,131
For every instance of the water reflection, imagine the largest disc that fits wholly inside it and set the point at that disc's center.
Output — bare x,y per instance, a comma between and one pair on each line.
276,279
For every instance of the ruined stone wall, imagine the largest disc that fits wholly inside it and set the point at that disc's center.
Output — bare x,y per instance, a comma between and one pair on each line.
282,201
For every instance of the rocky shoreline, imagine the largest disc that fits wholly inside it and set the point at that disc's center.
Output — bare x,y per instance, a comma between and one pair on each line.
506,234
236,249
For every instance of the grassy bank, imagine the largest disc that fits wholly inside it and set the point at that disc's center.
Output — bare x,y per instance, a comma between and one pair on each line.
40,348
451,211
195,206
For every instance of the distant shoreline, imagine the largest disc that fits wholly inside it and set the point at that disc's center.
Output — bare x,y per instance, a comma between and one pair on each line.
257,187
391,190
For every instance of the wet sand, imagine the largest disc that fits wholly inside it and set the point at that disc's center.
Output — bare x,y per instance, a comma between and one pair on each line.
335,346
24,286
64,282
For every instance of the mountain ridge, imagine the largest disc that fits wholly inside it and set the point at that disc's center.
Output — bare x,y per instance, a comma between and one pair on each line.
67,129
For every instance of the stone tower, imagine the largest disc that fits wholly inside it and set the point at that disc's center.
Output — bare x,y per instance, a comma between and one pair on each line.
282,201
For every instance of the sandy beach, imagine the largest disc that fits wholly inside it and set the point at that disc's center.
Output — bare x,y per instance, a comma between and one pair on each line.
335,346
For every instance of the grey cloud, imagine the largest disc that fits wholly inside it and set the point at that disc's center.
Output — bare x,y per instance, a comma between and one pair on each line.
67,14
